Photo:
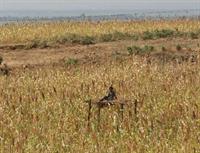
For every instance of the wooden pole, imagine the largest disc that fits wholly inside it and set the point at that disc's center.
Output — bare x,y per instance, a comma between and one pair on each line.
99,116
136,110
89,112
122,111
120,116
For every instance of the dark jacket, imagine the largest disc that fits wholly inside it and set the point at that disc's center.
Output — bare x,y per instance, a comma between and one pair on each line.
111,95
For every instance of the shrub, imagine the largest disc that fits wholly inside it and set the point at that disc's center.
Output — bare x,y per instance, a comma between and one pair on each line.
43,44
193,35
117,36
135,50
71,38
135,37
164,33
87,40
33,44
74,38
37,44
178,47
147,35
148,48
71,61
106,37
130,50
120,36
163,48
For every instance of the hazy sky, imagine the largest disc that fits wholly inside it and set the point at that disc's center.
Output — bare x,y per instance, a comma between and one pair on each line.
97,4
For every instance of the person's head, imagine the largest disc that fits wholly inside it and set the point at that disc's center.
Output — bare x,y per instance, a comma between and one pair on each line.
111,88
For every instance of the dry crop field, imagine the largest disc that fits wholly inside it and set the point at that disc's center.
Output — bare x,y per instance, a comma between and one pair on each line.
64,31
55,67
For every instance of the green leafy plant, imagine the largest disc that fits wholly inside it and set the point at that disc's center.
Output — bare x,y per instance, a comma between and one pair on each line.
147,35
135,50
71,61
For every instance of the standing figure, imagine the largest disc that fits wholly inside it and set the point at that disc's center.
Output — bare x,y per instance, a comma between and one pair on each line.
111,95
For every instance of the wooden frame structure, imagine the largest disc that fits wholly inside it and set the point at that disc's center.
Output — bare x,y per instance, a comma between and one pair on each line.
120,103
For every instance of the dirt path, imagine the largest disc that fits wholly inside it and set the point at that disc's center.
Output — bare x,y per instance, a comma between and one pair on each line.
17,58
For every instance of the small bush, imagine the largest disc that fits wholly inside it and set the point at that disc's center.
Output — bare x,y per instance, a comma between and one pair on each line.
135,37
76,39
61,39
163,48
178,47
163,33
147,35
31,45
37,44
43,44
115,36
65,38
68,38
120,36
148,48
130,50
135,50
87,40
193,35
106,37
71,61
34,44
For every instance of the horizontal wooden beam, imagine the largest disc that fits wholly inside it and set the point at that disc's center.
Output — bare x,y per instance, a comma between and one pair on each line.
111,102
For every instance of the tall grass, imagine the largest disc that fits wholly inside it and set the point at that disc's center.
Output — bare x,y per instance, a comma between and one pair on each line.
43,110
101,31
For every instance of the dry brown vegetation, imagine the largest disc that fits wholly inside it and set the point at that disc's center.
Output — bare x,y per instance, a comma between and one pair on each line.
43,110
42,101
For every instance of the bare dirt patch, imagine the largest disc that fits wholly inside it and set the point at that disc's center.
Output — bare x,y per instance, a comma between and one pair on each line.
86,53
